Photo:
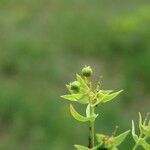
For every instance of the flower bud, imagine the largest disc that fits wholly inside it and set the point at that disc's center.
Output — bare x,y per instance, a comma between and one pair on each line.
87,71
75,86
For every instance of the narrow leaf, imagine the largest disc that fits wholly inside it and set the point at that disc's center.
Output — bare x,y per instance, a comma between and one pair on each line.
106,91
80,147
135,137
140,121
109,97
120,138
103,98
84,99
77,116
72,97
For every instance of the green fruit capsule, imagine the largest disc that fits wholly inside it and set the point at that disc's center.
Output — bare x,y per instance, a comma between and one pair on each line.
75,86
87,71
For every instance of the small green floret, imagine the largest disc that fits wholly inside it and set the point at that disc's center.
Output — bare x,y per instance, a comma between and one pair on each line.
75,86
87,71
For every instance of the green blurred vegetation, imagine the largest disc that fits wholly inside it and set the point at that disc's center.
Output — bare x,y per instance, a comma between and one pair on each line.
44,43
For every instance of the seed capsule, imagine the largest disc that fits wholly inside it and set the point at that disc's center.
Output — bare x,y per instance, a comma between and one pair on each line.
75,86
87,71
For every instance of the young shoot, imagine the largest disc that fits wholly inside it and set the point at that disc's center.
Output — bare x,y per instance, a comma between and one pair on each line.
83,91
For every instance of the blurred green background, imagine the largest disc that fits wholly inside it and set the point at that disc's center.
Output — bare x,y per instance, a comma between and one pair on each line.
44,43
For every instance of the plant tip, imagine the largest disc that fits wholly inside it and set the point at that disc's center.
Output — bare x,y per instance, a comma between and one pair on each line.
87,71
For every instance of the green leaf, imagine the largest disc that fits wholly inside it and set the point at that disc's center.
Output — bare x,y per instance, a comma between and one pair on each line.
114,148
140,121
104,97
68,87
98,147
80,147
81,98
109,97
84,99
81,118
77,116
93,115
72,97
106,91
120,138
135,137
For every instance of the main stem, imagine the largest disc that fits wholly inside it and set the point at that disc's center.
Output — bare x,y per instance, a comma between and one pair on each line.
91,129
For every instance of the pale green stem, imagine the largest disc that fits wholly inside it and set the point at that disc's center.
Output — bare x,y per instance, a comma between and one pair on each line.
136,145
91,129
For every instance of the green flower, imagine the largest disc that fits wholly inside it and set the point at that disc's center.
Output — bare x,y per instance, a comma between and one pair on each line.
87,71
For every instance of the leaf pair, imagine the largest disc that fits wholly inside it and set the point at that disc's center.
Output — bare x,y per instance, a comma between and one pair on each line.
104,96
87,96
111,143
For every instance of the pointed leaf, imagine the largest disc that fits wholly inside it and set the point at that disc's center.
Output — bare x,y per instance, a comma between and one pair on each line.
120,138
109,97
135,137
84,99
104,97
81,118
72,97
80,147
140,121
77,116
106,91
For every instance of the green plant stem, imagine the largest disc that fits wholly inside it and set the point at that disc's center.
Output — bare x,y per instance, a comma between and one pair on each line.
91,129
136,145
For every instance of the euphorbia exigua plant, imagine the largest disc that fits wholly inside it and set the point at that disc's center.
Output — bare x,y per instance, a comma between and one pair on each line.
84,92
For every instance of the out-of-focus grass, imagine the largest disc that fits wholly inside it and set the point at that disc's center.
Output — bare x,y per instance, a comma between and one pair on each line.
43,44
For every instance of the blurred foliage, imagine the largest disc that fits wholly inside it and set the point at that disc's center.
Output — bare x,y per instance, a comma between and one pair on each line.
43,43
